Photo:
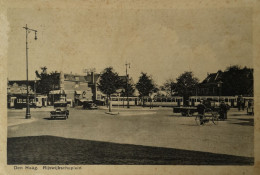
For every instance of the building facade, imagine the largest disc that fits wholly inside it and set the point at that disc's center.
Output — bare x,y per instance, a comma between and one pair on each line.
210,86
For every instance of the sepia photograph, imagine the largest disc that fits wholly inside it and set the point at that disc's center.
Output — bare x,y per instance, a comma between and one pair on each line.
129,86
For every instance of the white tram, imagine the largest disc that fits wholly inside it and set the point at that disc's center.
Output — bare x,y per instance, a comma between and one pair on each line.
163,101
230,100
122,101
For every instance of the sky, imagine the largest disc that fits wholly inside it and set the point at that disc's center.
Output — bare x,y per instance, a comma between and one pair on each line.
162,43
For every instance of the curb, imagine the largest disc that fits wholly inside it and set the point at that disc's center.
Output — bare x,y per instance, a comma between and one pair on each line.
112,113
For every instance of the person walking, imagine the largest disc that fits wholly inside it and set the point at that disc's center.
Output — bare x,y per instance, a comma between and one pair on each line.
201,108
223,108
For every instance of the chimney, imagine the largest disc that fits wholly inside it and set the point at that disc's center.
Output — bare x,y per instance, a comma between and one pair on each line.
92,77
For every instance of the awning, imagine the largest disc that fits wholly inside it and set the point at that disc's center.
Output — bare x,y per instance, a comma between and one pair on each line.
78,92
57,92
85,100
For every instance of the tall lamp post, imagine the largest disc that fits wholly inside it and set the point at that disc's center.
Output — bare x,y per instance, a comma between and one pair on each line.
220,89
28,30
127,65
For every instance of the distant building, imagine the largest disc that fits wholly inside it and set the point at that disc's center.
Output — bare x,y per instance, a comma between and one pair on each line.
210,86
74,87
93,80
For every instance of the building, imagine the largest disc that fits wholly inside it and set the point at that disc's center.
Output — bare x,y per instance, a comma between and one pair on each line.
98,97
74,87
210,86
93,80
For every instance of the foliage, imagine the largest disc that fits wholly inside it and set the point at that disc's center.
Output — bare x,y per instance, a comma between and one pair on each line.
109,81
169,87
185,85
130,88
145,85
47,82
237,81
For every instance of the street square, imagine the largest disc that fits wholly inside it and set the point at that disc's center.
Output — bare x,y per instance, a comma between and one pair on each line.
134,136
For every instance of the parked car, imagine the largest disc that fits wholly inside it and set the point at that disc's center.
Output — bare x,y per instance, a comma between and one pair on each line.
60,110
89,105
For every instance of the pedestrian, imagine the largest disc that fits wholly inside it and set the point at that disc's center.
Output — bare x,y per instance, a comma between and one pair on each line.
240,102
223,108
201,111
243,105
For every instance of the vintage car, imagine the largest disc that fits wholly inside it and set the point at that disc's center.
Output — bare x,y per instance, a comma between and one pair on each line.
60,110
89,105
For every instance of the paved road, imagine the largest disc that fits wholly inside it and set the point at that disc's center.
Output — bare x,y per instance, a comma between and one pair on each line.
158,127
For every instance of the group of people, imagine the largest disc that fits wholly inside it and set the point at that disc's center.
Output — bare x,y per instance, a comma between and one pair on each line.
205,106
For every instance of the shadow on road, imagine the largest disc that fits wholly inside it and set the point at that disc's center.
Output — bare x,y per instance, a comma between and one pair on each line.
52,150
245,122
48,118
242,114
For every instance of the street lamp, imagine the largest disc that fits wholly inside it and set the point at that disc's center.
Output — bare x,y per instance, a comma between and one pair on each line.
127,64
28,30
220,89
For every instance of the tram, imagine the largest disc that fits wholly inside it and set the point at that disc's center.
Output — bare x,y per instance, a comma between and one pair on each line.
19,101
163,101
215,100
122,101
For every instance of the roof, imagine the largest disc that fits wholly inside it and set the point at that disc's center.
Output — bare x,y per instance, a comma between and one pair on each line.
88,78
71,77
21,82
213,78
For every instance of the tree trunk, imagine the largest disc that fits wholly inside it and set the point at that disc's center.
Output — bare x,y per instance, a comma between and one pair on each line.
110,104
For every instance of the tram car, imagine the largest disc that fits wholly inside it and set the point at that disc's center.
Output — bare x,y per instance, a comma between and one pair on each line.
19,102
122,101
163,101
232,101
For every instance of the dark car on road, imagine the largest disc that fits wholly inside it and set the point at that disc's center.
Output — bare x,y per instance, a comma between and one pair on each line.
60,110
89,105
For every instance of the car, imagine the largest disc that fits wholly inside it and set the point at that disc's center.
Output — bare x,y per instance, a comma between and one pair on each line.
89,105
60,110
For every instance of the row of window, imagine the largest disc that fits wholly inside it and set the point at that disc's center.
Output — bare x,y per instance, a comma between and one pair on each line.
226,99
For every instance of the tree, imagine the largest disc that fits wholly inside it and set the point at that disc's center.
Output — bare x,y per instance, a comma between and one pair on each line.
185,85
145,85
237,81
130,88
109,83
47,82
169,87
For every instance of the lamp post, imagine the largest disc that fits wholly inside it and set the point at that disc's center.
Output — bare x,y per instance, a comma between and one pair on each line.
220,89
28,30
127,64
